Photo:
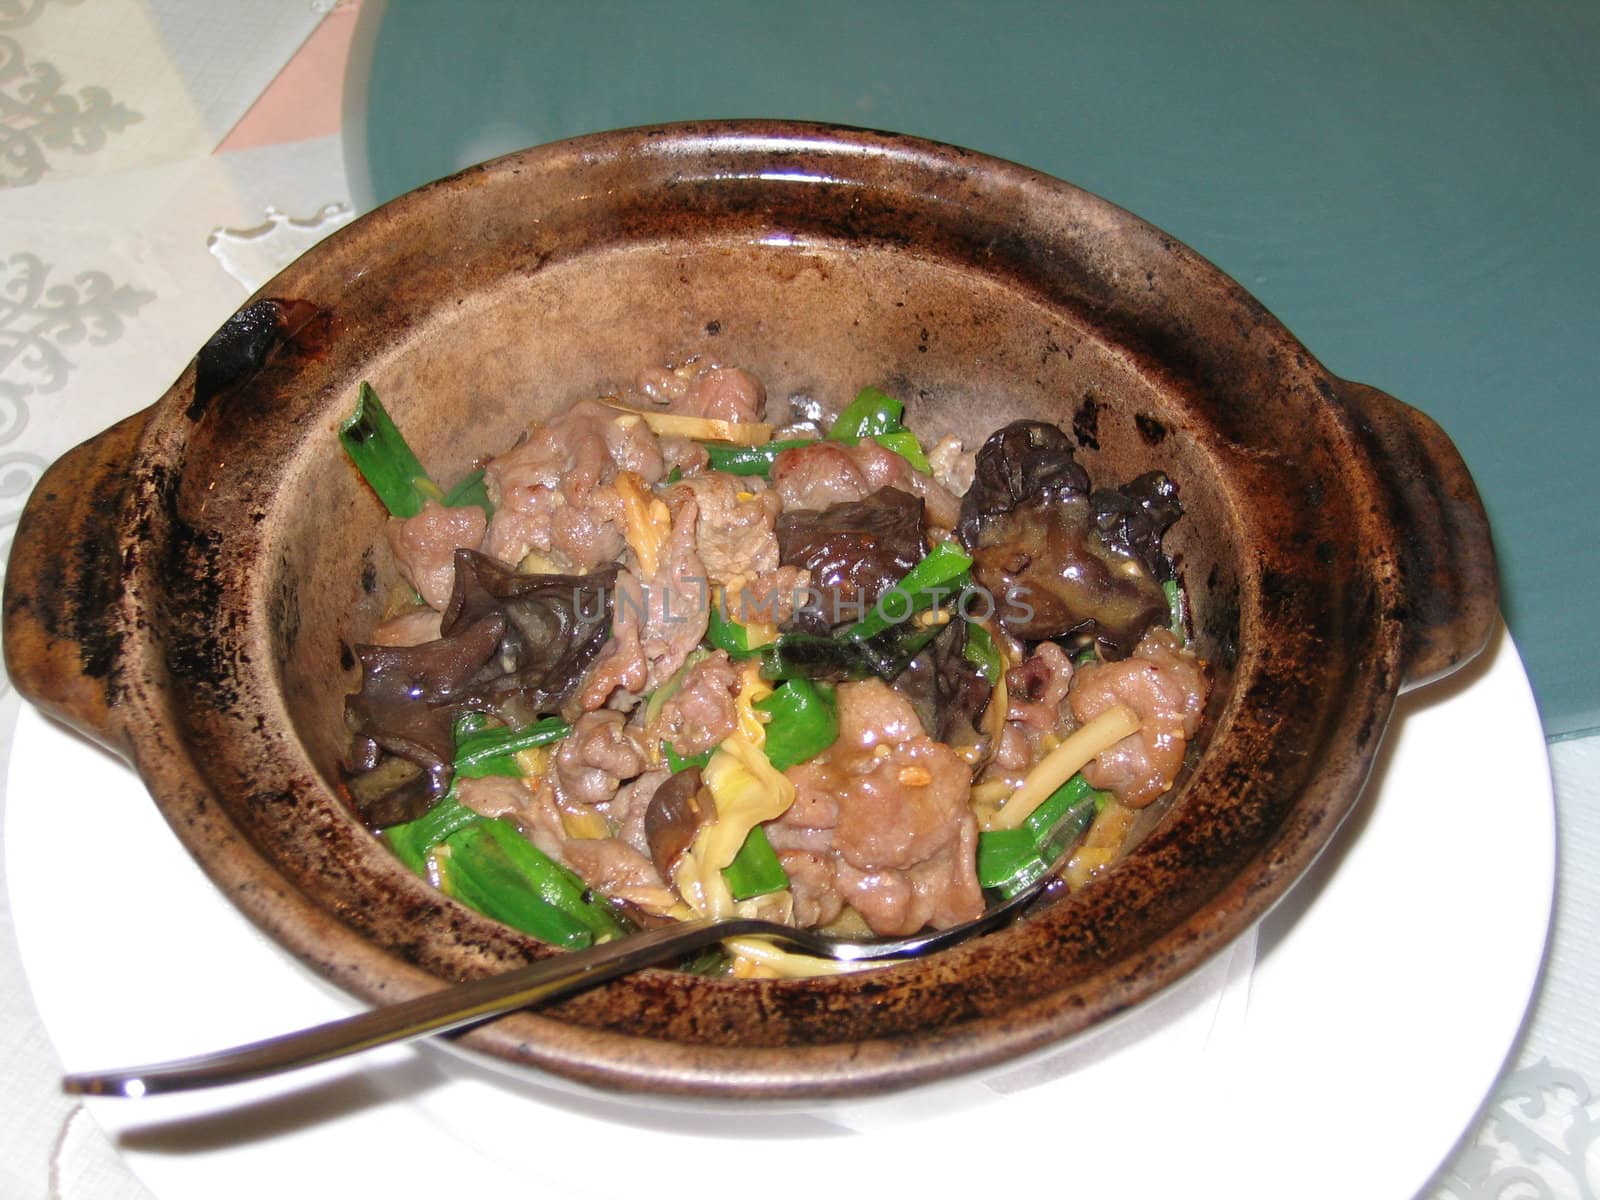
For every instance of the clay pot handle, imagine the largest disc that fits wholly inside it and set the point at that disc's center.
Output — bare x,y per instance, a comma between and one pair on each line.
1451,588
63,584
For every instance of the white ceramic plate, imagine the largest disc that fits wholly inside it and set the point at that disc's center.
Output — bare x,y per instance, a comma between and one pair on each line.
1387,990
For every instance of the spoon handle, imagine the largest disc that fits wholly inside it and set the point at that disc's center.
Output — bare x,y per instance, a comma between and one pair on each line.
448,1008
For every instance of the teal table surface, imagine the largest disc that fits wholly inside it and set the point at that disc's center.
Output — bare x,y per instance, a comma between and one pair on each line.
1409,187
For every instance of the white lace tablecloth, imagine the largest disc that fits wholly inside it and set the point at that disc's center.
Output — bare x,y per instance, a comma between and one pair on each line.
161,158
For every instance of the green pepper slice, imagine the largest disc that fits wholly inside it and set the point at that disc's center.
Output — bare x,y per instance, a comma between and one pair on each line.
872,412
677,763
755,870
803,722
904,443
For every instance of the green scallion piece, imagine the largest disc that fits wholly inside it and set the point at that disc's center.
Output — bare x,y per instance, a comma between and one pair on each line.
1177,609
412,841
470,490
941,573
982,652
1011,859
385,461
748,460
496,846
1064,817
1008,860
484,752
476,870
556,883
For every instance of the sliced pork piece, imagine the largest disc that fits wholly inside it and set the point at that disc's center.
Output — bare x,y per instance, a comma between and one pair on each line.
621,670
820,475
688,456
773,598
886,807
553,493
592,761
677,598
631,808
701,713
726,394
697,389
1166,686
816,900
734,524
425,546
527,803
826,473
616,870
657,620
1037,688
408,628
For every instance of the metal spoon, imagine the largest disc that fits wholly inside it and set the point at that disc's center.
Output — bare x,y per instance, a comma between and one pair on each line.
463,1004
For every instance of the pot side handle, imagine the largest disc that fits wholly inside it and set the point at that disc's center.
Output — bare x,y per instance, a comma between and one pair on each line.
1451,586
63,583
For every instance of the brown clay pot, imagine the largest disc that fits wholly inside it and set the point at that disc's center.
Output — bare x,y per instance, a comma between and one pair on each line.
184,587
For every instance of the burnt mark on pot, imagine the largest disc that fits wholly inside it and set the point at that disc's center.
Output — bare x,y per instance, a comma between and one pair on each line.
1151,430
1369,726
1275,693
194,652
1086,422
198,628
247,339
899,383
272,800
1279,587
284,612
91,590
531,261
1221,624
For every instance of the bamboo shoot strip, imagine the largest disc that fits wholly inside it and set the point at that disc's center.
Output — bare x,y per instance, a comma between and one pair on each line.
1065,761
